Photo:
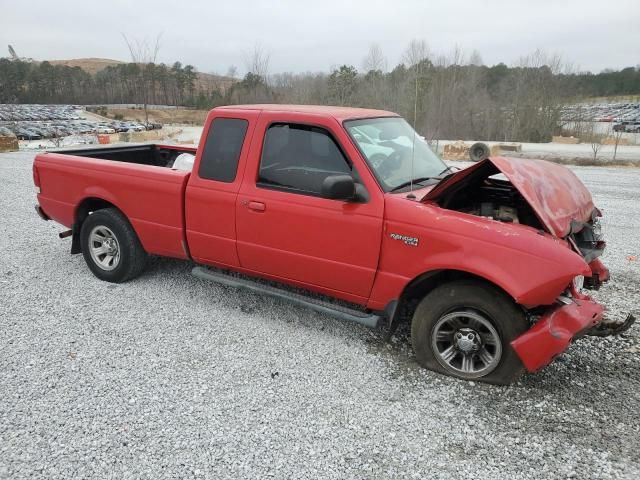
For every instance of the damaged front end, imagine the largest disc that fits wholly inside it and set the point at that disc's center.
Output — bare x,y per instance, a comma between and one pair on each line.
575,315
587,239
553,332
540,194
552,200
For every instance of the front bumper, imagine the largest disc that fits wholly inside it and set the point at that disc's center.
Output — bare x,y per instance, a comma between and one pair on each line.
552,334
599,275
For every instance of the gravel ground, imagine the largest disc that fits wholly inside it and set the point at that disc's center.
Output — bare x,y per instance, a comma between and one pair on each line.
171,376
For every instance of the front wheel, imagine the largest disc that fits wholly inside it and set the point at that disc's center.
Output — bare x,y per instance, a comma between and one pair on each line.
464,329
111,247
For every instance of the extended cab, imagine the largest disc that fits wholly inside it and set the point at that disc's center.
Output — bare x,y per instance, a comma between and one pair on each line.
352,209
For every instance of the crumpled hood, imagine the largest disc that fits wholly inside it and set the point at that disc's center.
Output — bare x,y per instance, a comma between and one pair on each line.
554,192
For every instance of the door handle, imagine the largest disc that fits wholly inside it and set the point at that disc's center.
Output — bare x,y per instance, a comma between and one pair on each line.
257,206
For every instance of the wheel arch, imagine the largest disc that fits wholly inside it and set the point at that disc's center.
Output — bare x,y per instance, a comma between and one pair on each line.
421,285
82,211
427,281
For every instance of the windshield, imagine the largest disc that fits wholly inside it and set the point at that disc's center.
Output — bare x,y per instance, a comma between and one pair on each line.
388,145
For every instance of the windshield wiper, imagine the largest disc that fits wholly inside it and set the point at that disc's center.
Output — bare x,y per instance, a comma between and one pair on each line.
411,182
423,179
449,168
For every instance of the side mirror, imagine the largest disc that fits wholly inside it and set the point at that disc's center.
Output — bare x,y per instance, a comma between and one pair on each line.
338,187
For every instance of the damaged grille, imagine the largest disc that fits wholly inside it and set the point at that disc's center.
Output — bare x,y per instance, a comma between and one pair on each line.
588,237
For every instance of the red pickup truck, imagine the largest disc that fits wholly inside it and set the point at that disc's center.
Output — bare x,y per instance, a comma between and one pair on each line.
349,212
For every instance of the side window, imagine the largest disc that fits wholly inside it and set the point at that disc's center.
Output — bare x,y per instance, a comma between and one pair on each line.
222,149
299,158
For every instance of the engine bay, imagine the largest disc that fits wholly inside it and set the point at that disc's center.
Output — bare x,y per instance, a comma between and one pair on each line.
487,195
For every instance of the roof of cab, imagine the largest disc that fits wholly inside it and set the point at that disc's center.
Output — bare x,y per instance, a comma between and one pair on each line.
339,113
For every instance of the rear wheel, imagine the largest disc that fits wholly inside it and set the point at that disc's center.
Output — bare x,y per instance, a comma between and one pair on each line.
111,247
464,329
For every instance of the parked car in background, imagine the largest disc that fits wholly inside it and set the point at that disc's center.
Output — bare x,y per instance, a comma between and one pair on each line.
5,132
24,134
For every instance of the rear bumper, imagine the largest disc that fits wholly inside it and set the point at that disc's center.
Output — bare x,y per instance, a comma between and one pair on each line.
553,333
41,213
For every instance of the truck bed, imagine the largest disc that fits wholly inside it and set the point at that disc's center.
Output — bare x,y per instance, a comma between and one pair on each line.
138,180
148,154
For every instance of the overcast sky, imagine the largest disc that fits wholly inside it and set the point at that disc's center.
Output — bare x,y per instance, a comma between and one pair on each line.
304,35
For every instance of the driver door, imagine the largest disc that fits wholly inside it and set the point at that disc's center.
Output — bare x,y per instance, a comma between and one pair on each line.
286,229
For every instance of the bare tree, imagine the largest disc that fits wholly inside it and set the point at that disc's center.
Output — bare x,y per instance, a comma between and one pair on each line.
596,146
375,60
416,52
232,72
144,53
416,56
374,66
476,59
595,139
617,135
534,97
257,62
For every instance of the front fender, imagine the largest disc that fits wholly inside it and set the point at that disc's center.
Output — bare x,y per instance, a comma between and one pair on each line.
532,267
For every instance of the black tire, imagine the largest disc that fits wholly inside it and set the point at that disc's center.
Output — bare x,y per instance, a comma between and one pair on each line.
479,305
479,151
131,256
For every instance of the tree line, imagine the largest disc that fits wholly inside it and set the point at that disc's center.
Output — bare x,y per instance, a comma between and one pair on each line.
451,96
31,82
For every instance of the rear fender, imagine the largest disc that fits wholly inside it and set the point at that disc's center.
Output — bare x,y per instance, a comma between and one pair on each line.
91,203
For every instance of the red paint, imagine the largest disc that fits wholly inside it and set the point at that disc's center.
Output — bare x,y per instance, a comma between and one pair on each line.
317,241
151,197
340,248
598,268
553,333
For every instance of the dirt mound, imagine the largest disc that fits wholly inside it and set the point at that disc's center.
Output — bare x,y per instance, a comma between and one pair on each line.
89,65
164,116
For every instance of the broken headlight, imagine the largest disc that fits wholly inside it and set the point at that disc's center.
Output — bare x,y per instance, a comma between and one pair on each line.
588,238
596,227
578,283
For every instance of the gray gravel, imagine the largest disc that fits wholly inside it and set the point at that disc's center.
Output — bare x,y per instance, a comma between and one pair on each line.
171,376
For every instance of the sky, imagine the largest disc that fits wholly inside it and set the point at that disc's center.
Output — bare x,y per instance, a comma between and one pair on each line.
316,36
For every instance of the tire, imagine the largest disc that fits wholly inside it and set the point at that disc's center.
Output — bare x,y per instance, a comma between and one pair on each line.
479,151
107,233
464,329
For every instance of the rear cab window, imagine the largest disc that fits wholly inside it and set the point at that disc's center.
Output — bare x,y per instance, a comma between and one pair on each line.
222,149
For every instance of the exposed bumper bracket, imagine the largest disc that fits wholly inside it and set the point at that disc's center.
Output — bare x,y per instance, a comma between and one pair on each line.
605,328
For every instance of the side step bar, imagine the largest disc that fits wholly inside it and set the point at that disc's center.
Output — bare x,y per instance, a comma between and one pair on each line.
322,306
